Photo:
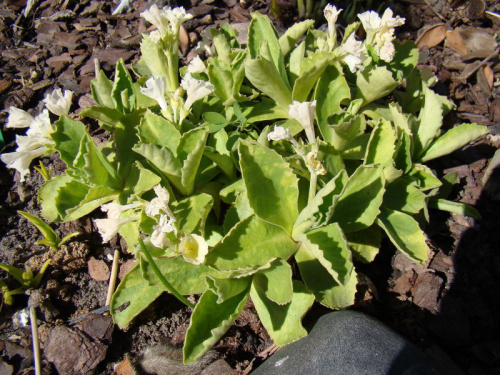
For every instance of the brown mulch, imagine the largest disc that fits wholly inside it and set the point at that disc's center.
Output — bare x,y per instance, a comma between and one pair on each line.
450,308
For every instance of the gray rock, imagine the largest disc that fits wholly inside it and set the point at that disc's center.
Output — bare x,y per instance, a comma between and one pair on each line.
348,342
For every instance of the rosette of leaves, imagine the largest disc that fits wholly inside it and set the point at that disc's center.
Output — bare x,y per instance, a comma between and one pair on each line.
252,200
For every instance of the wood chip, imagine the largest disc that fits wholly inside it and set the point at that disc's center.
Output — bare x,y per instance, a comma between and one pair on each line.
98,269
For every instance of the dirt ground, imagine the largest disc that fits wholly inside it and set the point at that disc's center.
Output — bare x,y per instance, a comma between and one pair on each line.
450,309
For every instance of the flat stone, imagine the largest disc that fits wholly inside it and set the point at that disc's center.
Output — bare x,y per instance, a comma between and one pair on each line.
349,342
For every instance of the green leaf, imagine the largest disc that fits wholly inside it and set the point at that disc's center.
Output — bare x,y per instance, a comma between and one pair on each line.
319,210
405,59
73,204
455,207
329,245
326,290
276,282
312,69
429,123
137,293
251,243
67,138
228,288
109,117
192,213
358,206
157,130
101,90
265,77
452,140
283,322
271,185
262,32
154,57
163,159
374,83
184,277
381,147
139,181
423,177
403,195
331,90
222,78
97,168
123,91
295,62
190,152
365,243
404,233
293,34
48,233
46,197
209,322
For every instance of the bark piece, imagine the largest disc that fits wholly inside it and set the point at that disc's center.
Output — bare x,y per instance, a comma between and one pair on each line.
72,352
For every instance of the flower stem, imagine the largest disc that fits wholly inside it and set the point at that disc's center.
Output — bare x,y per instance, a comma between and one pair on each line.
162,279
312,186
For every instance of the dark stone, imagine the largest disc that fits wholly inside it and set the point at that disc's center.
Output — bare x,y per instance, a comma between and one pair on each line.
348,342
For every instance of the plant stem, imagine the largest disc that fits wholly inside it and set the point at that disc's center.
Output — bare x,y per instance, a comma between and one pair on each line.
112,277
162,279
36,344
312,186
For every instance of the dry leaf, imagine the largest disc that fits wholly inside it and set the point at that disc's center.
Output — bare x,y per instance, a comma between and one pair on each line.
432,35
454,41
489,75
485,80
479,42
183,40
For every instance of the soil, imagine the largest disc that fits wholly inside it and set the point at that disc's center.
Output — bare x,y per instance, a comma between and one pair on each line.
449,308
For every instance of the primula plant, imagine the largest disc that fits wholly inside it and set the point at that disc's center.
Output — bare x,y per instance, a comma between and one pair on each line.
262,171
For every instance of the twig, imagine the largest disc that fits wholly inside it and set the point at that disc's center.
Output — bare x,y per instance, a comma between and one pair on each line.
476,65
113,277
36,344
97,67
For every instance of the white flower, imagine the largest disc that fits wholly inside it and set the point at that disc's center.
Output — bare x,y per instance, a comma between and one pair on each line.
177,16
303,112
159,237
155,36
196,89
35,143
387,51
163,18
193,248
156,17
353,53
160,203
21,160
156,89
373,23
279,133
380,31
108,228
18,118
196,65
57,103
331,14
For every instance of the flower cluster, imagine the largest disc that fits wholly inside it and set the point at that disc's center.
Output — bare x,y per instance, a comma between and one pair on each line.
380,31
37,141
